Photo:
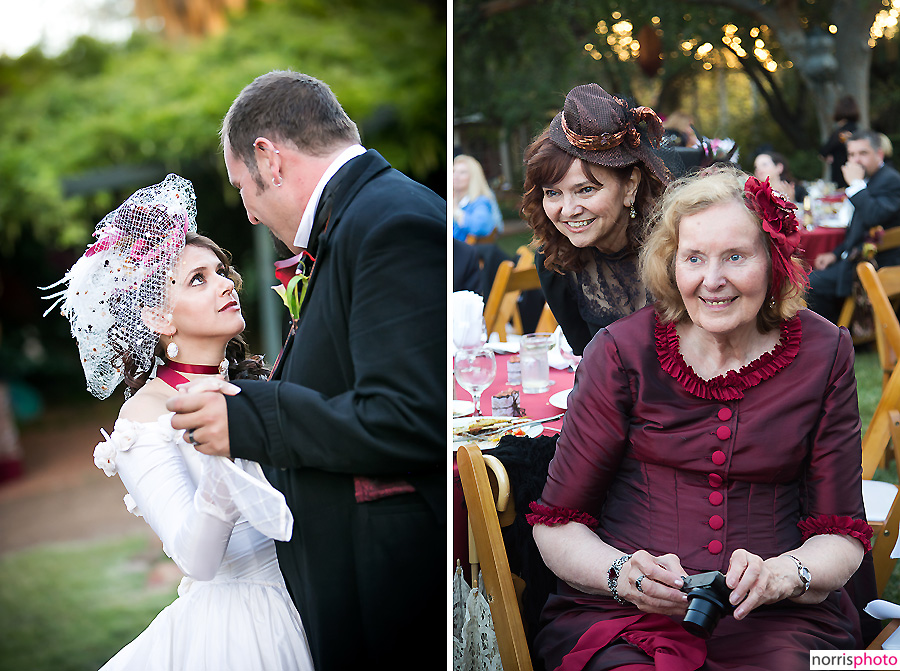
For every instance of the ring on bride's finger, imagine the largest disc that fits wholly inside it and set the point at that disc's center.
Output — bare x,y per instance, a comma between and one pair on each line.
190,437
637,583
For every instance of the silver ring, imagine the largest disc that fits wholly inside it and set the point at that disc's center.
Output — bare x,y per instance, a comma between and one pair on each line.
190,437
637,583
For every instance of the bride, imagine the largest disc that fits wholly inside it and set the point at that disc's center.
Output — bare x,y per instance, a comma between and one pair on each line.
151,292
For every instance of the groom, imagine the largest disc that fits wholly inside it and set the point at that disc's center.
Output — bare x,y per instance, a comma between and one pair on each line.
352,426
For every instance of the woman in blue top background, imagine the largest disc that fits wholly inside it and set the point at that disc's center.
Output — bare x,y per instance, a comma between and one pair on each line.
475,209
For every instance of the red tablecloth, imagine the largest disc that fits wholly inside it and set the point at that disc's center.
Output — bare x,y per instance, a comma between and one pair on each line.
536,406
820,240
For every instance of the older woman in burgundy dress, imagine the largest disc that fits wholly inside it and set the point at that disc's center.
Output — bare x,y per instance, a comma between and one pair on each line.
715,431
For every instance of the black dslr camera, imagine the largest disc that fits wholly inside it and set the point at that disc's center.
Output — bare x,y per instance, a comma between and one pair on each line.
707,602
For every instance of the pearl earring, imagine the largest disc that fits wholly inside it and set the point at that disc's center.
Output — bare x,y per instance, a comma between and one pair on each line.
632,214
171,350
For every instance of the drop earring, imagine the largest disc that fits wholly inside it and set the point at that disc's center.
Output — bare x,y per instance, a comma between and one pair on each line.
172,350
632,214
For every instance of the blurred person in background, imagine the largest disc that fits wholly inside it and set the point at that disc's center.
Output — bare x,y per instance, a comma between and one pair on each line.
874,194
475,209
773,166
834,151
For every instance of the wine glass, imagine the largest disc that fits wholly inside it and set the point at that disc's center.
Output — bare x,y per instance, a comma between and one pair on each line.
475,369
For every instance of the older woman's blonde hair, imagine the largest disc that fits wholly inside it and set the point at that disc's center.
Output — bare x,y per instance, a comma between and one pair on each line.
691,195
478,185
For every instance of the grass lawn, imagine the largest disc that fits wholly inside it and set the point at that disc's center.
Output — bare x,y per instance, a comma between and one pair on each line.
71,607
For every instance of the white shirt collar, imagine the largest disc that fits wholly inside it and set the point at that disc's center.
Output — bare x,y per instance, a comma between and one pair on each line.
301,240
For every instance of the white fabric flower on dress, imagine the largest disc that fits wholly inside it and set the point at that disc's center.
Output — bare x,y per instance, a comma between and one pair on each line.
122,439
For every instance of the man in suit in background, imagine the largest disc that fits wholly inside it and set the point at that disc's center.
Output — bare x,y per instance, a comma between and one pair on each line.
874,193
352,426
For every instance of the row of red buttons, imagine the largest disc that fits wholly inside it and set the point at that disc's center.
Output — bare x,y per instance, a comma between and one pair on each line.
716,498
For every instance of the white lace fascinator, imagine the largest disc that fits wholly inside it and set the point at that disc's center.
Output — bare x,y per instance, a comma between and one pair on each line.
127,271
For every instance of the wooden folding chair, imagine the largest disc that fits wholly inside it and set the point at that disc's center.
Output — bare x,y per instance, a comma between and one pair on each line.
883,503
884,539
501,307
547,322
472,239
890,239
485,496
882,287
883,543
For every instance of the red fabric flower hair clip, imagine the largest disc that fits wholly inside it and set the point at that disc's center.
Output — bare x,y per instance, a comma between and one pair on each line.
781,226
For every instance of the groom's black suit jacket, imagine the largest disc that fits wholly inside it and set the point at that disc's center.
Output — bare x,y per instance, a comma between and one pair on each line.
361,391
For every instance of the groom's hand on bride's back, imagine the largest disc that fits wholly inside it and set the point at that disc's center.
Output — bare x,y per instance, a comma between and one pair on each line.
200,410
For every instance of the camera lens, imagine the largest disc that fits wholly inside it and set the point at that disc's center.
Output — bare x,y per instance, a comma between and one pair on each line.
707,602
703,614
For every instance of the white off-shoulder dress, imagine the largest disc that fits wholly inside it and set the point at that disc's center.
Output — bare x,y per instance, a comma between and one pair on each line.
216,519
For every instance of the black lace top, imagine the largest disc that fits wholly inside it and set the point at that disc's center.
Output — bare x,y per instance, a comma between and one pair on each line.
606,289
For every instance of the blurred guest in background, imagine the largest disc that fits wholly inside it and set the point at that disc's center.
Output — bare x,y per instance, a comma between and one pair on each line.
475,209
874,193
834,151
467,272
774,166
678,129
591,179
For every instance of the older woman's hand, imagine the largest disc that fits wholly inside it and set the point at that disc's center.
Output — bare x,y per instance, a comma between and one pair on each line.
755,582
652,583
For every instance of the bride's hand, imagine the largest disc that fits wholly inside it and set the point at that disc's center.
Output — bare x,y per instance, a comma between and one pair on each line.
215,383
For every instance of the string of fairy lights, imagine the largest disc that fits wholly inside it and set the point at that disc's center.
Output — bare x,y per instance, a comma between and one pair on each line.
618,36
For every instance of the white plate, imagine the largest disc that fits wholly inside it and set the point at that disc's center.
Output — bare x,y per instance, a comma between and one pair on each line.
462,408
560,399
490,443
503,347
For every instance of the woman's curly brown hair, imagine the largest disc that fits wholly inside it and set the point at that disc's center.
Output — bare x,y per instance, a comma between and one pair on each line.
547,164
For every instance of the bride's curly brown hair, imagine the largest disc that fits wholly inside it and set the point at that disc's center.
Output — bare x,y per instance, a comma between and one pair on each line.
242,365
547,164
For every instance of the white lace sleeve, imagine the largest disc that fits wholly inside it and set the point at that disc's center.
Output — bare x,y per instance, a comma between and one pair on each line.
155,474
226,487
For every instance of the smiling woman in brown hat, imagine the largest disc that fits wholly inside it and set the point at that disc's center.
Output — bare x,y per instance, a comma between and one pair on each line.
591,179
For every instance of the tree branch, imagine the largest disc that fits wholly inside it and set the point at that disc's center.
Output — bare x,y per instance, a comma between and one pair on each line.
751,8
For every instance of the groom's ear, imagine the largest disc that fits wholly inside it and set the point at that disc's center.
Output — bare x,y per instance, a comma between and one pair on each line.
157,322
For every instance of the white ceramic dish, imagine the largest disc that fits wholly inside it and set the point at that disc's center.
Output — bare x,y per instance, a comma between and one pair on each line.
462,408
560,399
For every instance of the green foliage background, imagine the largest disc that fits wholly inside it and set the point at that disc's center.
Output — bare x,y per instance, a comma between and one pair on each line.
81,131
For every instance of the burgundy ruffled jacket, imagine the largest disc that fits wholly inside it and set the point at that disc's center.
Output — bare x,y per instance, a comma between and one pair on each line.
654,457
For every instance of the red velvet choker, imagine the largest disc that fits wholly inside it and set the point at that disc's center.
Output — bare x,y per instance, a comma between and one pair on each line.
168,372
